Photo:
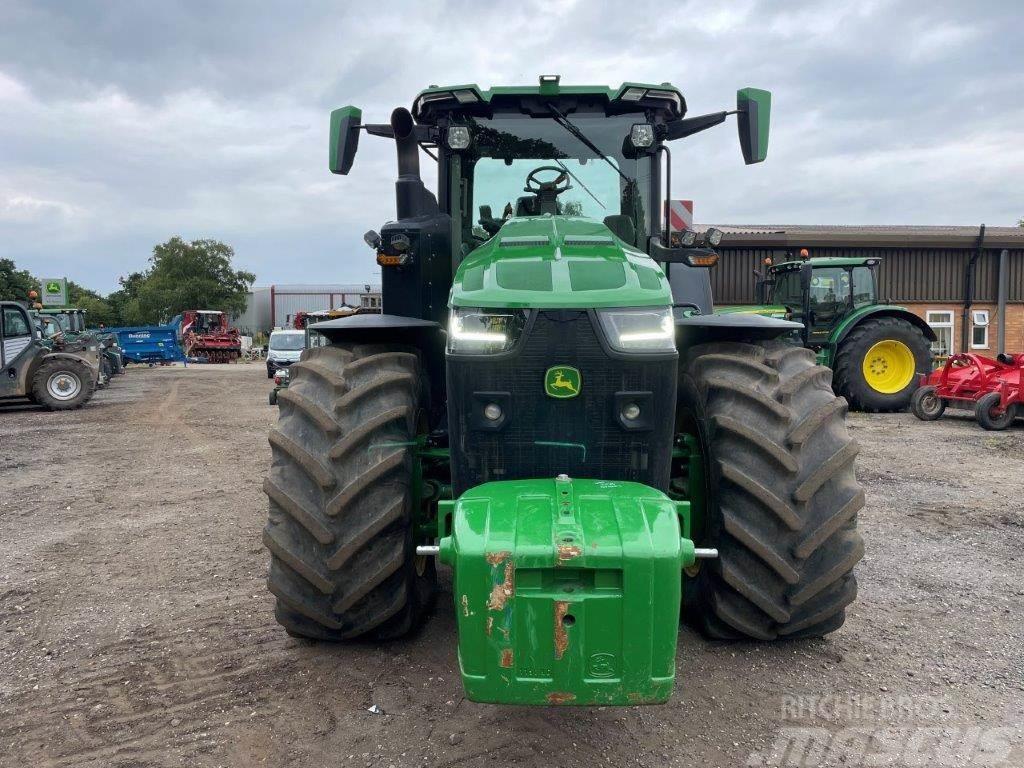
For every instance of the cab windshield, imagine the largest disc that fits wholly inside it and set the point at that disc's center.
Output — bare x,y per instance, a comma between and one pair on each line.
493,174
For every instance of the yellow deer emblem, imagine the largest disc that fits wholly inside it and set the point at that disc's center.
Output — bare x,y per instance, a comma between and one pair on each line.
562,382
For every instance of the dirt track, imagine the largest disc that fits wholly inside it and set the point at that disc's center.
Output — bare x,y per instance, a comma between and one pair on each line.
135,629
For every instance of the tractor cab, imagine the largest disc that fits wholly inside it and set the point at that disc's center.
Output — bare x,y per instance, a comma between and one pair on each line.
522,167
71,321
822,290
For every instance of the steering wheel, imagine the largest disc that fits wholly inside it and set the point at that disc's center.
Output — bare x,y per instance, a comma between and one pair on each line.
535,185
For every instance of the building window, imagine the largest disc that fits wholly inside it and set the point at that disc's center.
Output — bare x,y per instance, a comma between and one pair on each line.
941,321
979,329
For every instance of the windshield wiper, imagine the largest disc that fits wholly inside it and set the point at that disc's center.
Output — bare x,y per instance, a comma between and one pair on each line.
563,121
576,178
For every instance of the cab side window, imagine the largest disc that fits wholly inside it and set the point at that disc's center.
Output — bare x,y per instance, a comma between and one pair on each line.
15,324
863,286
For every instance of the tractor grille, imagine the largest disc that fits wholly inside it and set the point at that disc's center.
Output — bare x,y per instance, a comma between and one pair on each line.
542,436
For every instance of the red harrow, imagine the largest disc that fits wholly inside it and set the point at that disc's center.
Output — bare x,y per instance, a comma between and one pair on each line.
991,387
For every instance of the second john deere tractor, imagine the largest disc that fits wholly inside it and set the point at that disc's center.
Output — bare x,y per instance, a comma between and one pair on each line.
549,406
878,351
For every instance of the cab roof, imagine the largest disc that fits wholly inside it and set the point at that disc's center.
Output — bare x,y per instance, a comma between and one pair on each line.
628,97
826,261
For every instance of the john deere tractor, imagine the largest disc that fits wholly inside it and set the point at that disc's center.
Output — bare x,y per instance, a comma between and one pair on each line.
877,351
549,407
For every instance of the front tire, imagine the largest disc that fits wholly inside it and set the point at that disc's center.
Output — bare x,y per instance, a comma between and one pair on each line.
63,384
782,496
340,531
879,363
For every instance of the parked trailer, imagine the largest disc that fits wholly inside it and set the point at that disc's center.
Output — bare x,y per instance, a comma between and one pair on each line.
150,344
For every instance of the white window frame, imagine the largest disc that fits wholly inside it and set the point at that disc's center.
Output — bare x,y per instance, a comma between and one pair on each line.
979,319
932,318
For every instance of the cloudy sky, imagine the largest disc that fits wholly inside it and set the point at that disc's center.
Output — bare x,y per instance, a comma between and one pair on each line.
124,123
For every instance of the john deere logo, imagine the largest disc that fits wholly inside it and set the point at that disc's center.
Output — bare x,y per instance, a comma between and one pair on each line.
53,287
562,381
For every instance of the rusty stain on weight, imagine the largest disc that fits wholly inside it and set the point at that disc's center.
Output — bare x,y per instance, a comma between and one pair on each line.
506,657
503,590
568,552
497,558
561,636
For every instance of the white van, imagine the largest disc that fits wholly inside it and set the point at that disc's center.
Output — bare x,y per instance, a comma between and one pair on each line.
284,349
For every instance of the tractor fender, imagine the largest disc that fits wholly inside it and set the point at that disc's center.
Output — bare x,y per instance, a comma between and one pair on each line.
851,322
378,328
700,329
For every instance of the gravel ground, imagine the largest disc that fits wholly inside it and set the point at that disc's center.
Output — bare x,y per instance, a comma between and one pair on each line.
137,631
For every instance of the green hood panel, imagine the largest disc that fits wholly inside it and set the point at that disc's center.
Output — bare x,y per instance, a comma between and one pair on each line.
558,262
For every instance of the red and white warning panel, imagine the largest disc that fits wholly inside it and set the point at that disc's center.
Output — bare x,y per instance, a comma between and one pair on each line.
680,215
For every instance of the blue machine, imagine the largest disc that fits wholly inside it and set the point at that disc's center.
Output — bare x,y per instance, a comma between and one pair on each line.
150,343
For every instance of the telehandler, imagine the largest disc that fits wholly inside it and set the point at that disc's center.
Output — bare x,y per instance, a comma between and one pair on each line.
549,406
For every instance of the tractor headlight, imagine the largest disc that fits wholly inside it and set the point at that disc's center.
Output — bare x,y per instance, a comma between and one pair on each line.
484,331
639,330
641,135
458,137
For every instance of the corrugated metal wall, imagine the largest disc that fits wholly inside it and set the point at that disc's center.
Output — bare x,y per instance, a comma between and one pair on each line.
905,274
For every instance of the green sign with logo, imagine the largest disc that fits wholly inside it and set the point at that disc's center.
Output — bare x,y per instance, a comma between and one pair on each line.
562,381
54,293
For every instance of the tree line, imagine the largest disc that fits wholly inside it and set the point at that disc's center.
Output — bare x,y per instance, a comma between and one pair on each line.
180,275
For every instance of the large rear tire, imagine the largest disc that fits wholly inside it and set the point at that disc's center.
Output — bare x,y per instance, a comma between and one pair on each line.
340,532
879,364
63,384
782,496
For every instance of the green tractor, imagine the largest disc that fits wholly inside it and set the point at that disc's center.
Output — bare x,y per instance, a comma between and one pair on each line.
550,407
38,366
877,351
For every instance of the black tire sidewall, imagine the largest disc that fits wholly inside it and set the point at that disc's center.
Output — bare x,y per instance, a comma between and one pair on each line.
854,348
86,379
983,412
917,407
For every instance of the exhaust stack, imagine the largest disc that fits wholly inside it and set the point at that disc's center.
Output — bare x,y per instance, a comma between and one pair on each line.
411,197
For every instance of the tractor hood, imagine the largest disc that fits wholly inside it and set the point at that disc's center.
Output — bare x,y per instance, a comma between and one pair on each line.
558,262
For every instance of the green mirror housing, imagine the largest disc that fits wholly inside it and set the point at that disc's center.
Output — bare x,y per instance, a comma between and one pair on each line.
755,108
344,138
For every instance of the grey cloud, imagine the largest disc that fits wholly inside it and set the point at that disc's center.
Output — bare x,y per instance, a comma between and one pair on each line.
124,124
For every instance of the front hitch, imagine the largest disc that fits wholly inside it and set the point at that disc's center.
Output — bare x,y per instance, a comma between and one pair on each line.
567,591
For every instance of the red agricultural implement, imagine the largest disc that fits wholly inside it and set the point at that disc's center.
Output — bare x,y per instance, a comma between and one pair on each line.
207,334
991,387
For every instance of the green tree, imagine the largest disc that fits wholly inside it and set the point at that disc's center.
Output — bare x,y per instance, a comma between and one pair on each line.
187,275
15,283
97,309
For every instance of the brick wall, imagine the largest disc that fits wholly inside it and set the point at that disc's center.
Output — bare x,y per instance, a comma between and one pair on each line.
1014,325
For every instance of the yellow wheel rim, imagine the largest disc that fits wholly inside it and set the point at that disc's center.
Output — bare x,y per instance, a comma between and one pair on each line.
888,366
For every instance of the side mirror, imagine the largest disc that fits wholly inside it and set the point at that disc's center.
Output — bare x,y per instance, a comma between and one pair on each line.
344,138
805,277
754,108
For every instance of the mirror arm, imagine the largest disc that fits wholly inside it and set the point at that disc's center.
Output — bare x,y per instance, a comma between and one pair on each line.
677,129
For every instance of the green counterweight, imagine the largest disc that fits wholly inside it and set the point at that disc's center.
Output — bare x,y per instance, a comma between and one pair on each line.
567,591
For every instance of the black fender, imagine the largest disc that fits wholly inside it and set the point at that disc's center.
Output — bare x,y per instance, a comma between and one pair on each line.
883,311
738,326
377,329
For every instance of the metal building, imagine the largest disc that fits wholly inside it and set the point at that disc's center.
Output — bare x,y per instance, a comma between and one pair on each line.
949,276
274,306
